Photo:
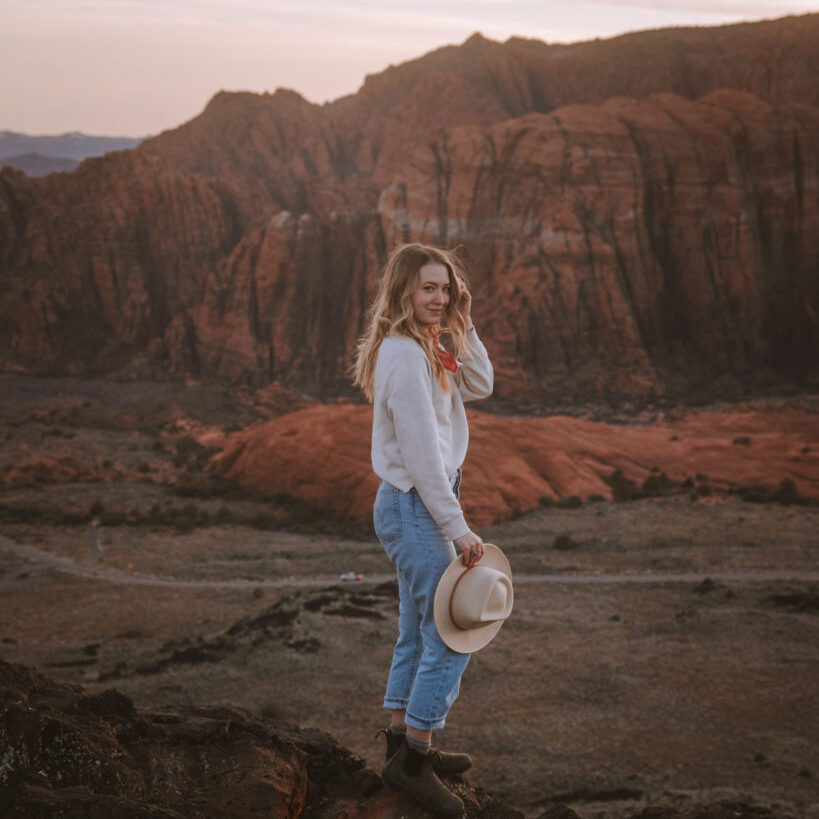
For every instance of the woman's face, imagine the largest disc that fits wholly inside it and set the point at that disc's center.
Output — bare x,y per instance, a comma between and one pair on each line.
431,296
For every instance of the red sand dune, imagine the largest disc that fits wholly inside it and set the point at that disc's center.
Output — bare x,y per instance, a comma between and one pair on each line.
321,455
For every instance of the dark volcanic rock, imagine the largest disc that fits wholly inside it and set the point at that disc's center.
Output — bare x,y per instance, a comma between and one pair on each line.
280,622
73,755
69,754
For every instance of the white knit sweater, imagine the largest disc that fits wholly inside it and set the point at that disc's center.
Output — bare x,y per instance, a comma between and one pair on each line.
420,433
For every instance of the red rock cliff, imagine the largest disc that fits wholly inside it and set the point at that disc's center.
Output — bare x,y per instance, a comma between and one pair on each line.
632,227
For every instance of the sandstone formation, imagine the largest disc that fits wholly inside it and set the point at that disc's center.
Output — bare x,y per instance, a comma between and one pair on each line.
640,216
321,455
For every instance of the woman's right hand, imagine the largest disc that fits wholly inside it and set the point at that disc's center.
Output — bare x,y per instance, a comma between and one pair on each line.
471,547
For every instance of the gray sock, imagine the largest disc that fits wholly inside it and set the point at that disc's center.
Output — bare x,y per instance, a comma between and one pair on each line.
422,747
398,730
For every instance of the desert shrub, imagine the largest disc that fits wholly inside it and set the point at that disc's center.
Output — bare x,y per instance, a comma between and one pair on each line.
57,432
301,512
208,486
595,499
113,517
263,520
704,489
545,501
187,517
688,483
181,518
20,514
571,502
270,710
158,446
755,493
223,515
144,467
40,515
232,491
190,453
788,494
742,440
701,477
96,509
622,488
565,543
656,484
189,510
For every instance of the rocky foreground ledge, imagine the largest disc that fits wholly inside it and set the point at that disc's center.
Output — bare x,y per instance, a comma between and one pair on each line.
67,753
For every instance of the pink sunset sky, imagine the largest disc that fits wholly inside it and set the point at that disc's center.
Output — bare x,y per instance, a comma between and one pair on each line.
135,67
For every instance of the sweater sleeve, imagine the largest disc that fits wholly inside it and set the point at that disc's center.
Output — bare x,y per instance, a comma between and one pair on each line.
475,377
409,401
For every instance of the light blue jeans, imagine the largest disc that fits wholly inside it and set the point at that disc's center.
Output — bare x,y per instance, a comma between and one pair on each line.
425,675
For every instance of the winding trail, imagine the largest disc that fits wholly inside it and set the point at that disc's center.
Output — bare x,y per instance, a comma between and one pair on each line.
44,560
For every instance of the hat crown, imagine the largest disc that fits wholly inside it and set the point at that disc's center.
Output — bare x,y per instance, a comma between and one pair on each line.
471,605
483,595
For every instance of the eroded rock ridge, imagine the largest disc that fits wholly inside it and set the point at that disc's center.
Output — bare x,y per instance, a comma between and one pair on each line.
639,214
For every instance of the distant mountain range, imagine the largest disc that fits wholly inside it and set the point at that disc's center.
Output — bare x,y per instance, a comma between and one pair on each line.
41,155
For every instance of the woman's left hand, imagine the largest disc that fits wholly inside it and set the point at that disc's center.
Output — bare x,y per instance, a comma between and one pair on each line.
464,302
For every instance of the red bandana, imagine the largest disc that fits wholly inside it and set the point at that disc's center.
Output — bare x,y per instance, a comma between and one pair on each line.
447,359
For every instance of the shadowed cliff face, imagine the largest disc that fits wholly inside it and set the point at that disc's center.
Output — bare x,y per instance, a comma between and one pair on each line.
632,229
98,266
630,247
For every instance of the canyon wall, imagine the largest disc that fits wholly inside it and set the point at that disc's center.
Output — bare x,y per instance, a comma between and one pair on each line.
639,216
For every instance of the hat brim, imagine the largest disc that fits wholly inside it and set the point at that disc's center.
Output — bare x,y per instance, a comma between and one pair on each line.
466,641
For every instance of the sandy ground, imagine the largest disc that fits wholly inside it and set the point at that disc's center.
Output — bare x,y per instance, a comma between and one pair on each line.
608,695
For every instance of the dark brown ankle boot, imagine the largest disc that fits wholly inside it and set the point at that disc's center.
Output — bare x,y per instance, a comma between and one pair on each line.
443,763
412,772
394,742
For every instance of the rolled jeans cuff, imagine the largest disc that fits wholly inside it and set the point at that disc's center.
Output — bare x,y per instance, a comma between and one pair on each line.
424,724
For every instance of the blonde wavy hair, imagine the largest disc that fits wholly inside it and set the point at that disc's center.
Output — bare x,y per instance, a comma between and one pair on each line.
392,312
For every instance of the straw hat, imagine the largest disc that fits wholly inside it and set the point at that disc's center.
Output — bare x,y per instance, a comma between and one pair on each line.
472,604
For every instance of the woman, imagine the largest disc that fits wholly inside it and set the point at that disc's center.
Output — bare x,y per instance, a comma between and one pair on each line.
419,442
